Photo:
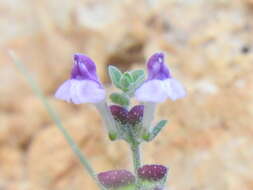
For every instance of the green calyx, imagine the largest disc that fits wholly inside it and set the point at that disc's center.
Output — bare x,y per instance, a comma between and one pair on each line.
145,185
128,187
152,185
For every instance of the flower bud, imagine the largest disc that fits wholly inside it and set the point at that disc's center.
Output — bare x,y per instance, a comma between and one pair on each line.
135,115
119,114
116,178
152,172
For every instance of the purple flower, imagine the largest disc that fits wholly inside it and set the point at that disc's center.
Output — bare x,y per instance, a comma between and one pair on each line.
84,85
160,85
116,178
122,115
152,172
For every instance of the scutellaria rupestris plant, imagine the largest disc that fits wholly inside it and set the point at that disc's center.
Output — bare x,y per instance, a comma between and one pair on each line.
123,121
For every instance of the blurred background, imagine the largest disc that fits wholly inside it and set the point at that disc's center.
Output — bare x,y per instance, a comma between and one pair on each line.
208,141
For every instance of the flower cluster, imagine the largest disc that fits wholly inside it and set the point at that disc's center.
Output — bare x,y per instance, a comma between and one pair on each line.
123,121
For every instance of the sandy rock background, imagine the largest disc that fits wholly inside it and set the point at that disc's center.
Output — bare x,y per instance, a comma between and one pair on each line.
208,141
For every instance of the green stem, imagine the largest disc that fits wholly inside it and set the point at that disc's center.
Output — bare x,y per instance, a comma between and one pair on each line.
135,147
76,150
136,157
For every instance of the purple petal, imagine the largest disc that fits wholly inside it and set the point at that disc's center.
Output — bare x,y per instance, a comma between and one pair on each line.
119,113
116,178
159,85
156,67
174,89
80,91
152,172
151,91
84,68
135,115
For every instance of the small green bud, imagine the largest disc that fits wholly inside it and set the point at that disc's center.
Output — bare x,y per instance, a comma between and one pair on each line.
146,136
120,99
112,136
115,75
126,81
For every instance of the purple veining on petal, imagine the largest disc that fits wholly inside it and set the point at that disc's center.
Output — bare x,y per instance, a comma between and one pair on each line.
152,172
119,113
135,115
84,68
116,178
156,67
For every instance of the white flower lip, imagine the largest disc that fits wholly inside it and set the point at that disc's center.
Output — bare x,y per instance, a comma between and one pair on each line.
159,90
80,91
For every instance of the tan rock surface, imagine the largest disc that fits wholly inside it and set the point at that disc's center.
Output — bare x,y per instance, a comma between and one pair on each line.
208,141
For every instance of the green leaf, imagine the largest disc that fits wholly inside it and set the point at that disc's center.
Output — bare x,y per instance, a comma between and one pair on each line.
126,81
115,75
156,130
133,86
139,81
120,99
137,74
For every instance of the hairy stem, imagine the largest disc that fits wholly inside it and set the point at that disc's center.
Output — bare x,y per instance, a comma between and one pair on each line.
135,147
136,154
76,150
136,157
